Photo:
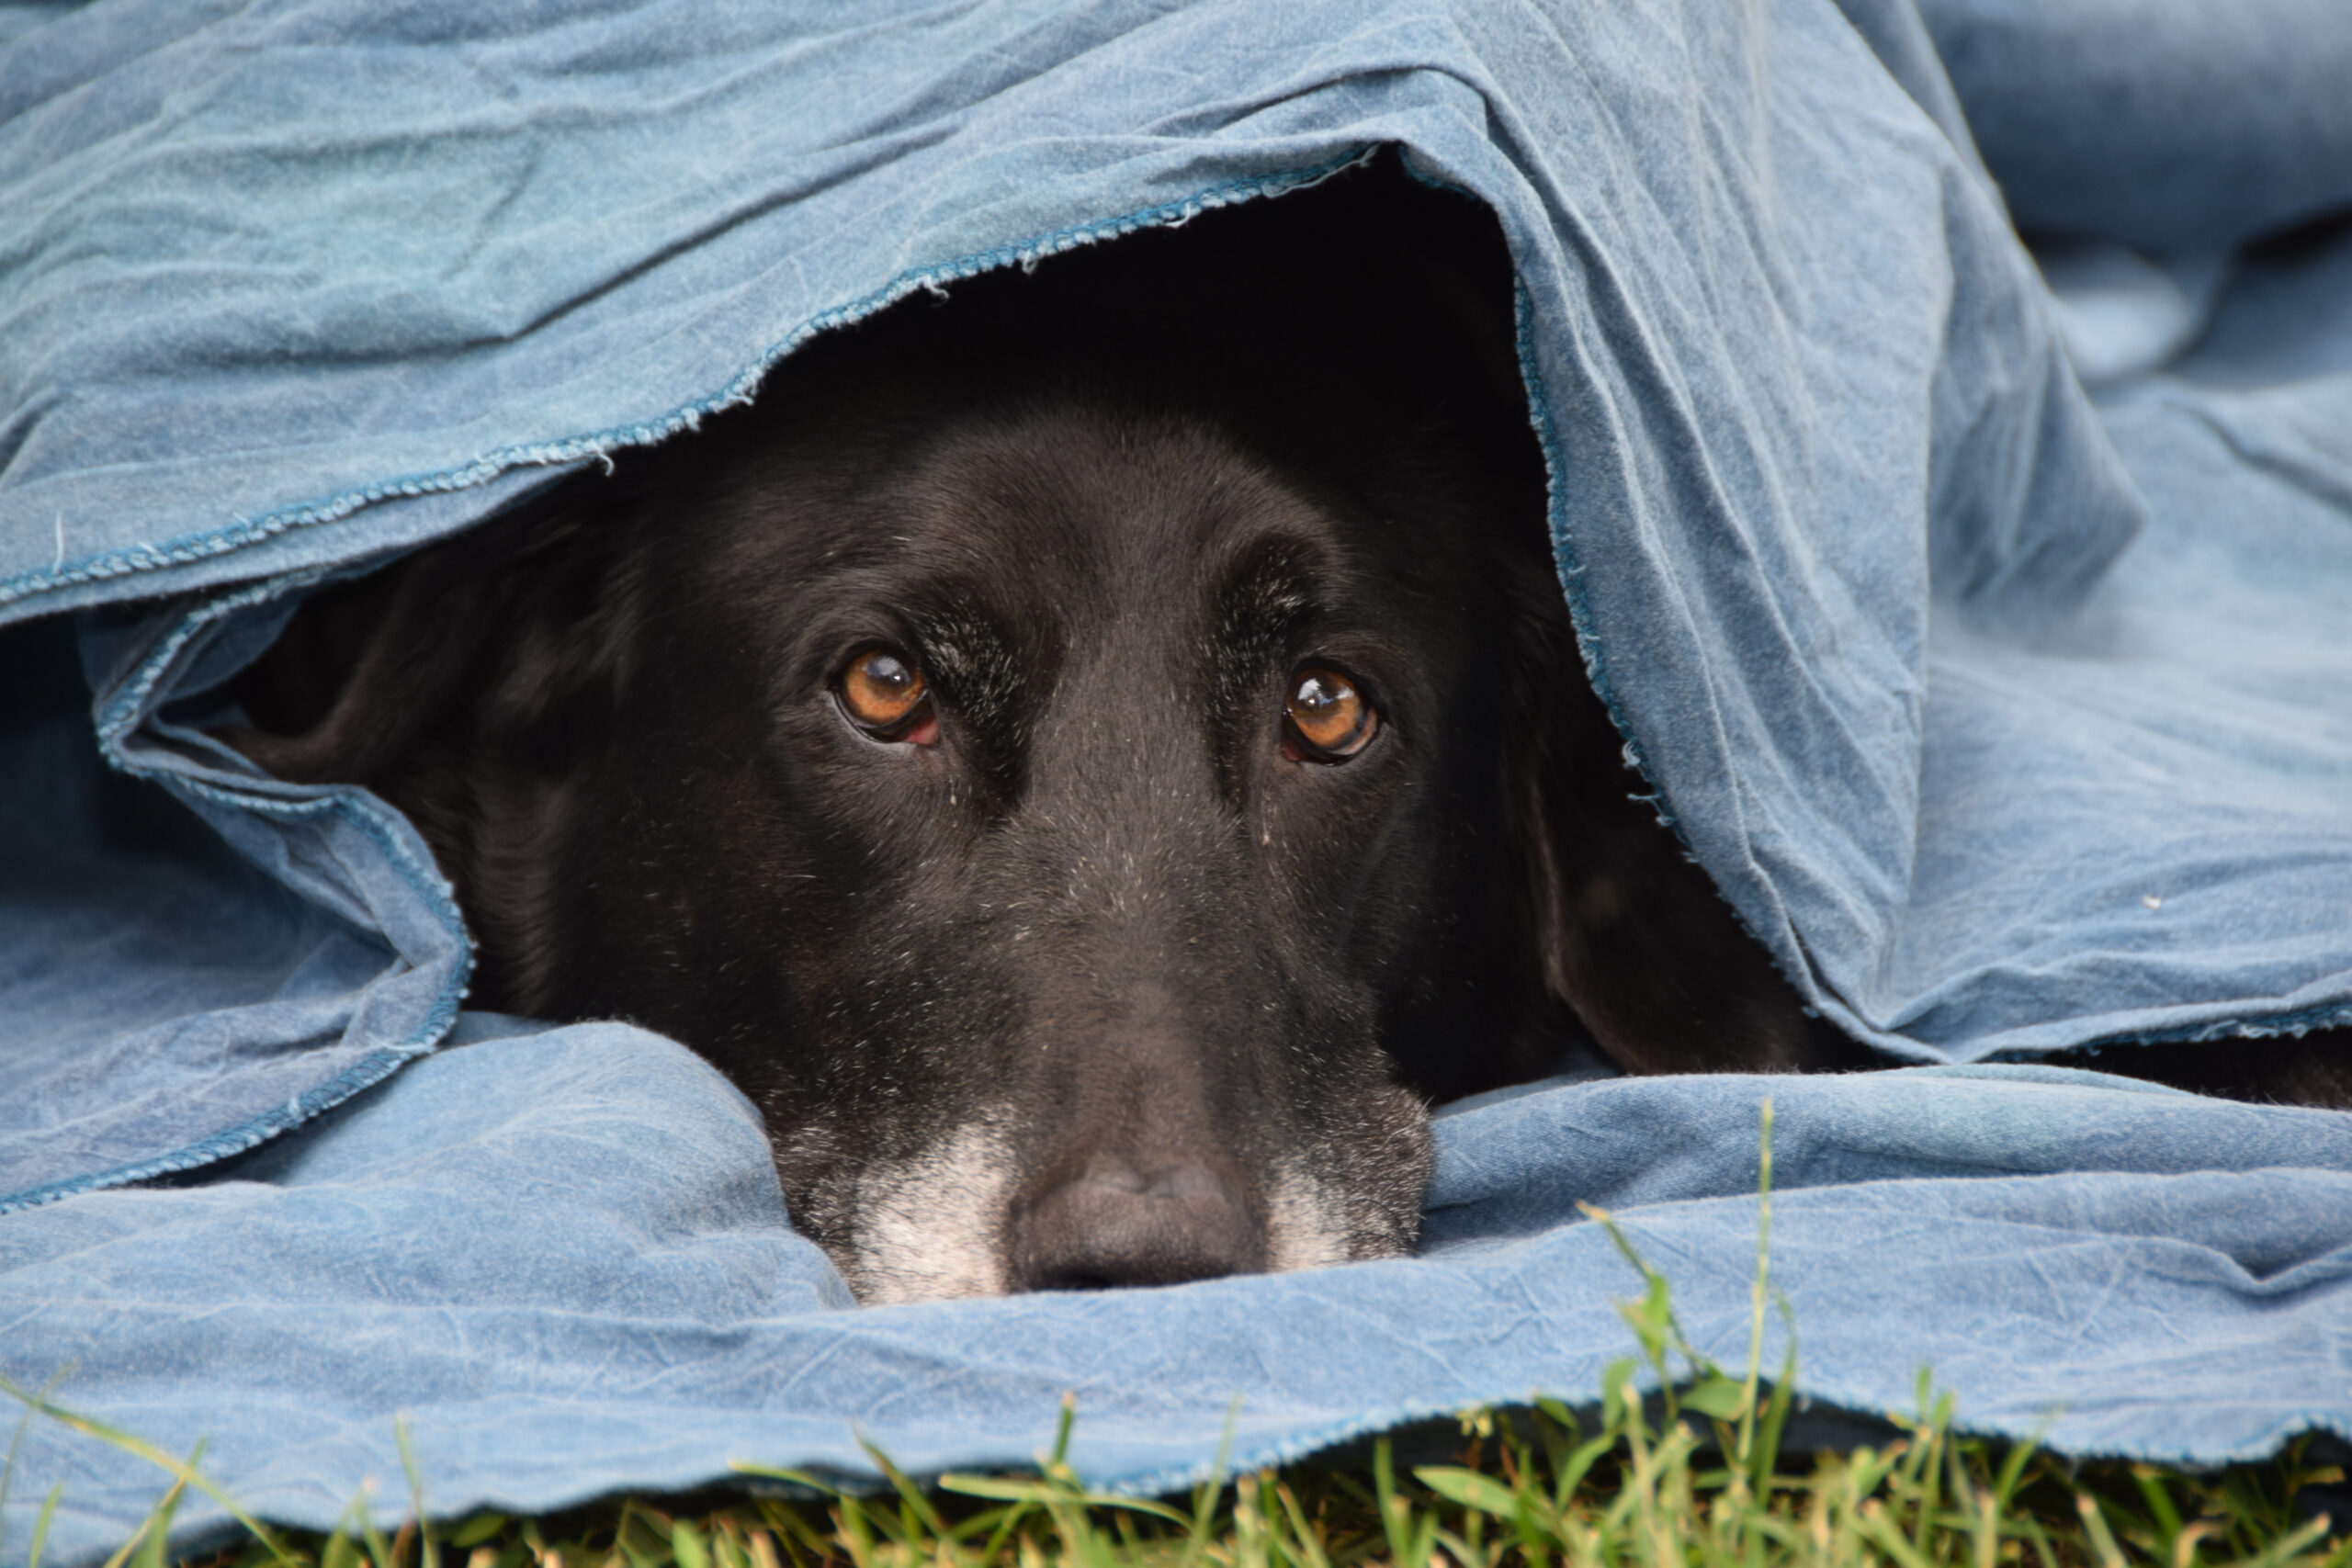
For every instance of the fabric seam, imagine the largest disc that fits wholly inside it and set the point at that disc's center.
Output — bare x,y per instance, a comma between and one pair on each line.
115,723
127,560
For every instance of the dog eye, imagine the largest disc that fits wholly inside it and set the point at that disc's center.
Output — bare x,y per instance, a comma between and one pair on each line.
1330,720
886,696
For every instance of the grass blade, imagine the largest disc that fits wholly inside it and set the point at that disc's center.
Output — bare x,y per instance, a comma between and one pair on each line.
1760,1290
159,1525
9,1466
156,1457
40,1524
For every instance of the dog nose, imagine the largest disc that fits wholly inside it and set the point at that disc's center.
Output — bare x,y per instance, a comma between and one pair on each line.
1116,1224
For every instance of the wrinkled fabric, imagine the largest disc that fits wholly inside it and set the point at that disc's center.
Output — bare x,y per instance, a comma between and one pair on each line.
2008,720
2134,1270
2163,124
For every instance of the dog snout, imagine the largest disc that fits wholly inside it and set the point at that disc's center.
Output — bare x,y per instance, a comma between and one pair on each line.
1127,1221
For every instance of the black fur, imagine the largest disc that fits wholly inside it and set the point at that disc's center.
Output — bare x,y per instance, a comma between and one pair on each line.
1109,917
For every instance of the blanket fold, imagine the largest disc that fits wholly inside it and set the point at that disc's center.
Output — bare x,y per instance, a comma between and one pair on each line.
2009,719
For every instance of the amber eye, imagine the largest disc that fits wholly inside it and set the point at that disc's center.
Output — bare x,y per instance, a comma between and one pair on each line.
886,696
1329,719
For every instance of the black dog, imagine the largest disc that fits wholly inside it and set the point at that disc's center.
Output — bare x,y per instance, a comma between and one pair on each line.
1092,760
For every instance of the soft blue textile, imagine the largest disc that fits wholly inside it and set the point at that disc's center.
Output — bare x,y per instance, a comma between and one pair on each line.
2057,1244
631,1310
2007,721
2167,124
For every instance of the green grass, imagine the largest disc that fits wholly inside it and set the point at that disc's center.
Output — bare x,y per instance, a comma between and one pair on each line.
1646,1488
1695,1474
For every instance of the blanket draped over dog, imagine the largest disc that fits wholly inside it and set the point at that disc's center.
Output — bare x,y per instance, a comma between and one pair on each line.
2011,717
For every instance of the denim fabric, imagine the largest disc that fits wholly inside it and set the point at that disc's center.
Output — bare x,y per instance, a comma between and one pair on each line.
290,288
182,986
562,1256
2166,124
2007,720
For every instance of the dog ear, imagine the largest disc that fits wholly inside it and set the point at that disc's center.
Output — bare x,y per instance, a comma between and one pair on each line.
1618,927
364,669
454,643
461,685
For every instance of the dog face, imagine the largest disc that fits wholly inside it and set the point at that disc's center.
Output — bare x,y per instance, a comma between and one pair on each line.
1091,760
1100,774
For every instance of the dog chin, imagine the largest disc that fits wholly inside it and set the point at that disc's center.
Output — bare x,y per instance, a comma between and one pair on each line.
927,1229
931,1228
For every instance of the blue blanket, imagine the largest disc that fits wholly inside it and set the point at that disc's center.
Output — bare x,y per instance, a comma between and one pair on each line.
2009,718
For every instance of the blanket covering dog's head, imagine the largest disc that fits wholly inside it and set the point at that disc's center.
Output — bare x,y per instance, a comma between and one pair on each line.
1092,758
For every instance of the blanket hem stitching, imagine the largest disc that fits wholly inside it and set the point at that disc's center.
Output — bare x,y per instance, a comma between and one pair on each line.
128,559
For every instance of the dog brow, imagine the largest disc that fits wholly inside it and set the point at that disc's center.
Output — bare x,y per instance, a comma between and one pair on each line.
1268,591
1259,602
974,660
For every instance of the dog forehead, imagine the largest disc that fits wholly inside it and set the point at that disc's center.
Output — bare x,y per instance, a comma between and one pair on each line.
1134,494
1086,528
